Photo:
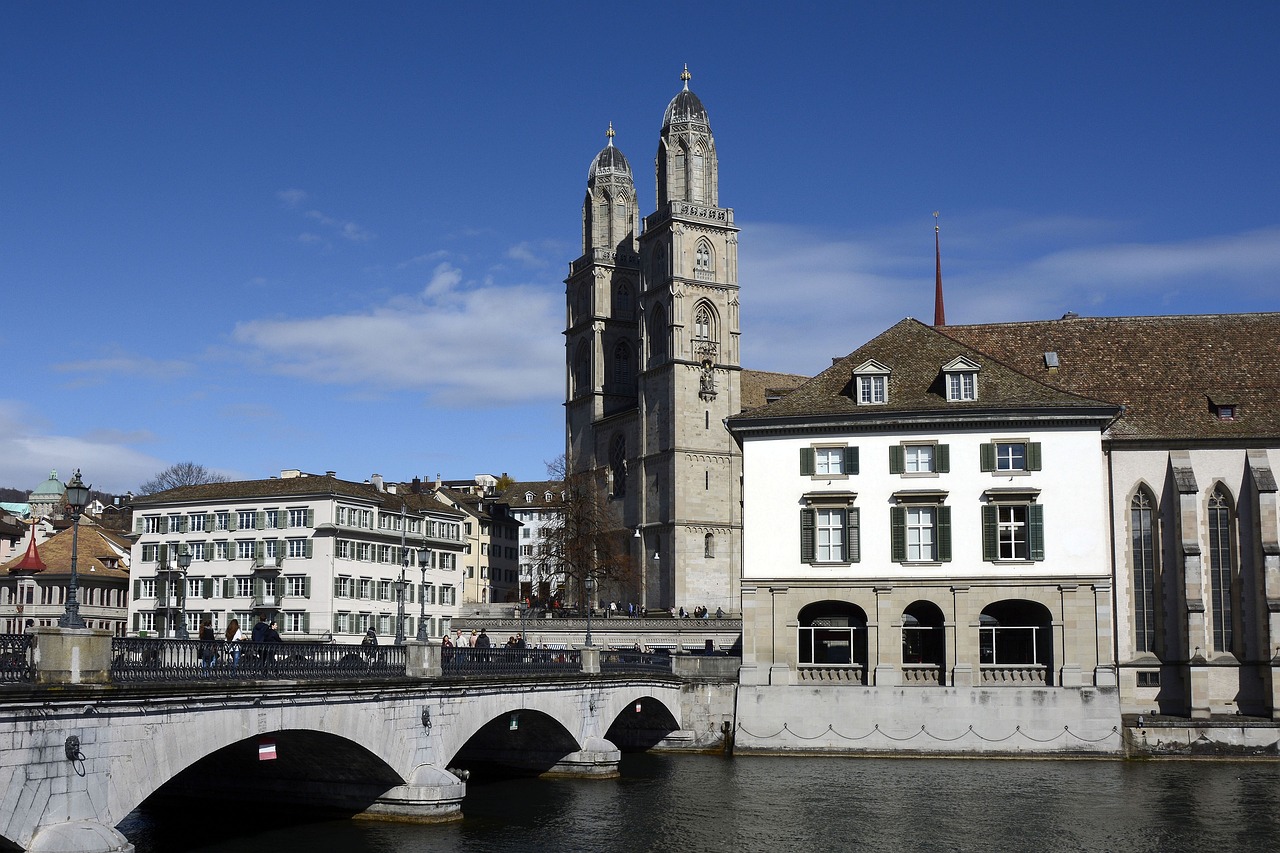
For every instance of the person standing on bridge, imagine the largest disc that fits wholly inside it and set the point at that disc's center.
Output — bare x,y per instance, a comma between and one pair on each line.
208,645
483,643
234,638
261,635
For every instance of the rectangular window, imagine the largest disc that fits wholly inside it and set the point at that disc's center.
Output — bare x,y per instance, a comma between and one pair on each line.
920,532
364,551
176,524
246,520
919,459
196,522
244,587
828,461
297,586
147,588
366,588
271,547
1148,678
151,524
145,622
221,520
272,519
448,595
1010,456
298,517
150,553
342,549
962,385
294,622
871,390
920,538
829,534
1012,531
194,588
298,548
244,549
199,550
222,550
384,554
384,590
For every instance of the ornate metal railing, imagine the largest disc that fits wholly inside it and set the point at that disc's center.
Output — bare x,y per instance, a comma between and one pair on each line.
505,661
17,658
137,659
623,660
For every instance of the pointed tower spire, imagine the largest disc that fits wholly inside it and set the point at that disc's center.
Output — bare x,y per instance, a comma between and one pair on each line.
686,76
609,134
31,562
939,311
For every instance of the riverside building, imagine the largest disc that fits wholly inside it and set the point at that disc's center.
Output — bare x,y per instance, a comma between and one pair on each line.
322,556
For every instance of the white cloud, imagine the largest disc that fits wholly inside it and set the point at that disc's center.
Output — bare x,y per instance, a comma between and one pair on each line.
292,198
343,228
809,297
29,451
472,345
132,366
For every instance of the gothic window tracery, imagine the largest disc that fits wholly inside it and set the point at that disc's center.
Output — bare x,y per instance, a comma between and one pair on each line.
624,303
1221,570
1143,554
618,464
657,336
622,363
581,371
702,324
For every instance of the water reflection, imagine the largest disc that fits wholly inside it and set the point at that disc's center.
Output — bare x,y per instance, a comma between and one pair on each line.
705,803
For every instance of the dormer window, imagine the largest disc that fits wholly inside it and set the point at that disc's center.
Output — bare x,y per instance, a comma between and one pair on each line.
961,380
1224,410
528,497
871,383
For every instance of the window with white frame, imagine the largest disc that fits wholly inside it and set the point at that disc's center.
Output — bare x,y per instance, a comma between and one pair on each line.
343,586
829,530
961,379
196,522
920,528
365,588
828,461
145,621
199,550
244,549
222,520
246,519
195,588
244,587
343,549
298,548
1007,457
297,586
147,588
222,550
272,519
294,621
176,523
364,551
271,547
1012,528
151,524
871,383
150,553
298,517
919,458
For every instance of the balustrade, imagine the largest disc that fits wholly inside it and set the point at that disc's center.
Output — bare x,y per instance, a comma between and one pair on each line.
1014,675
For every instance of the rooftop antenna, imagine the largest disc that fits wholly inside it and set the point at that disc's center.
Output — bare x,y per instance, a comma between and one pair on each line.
939,311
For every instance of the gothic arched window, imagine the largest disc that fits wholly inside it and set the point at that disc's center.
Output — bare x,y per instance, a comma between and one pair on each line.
1221,571
709,545
1142,553
702,323
623,302
622,363
657,335
704,257
697,175
618,464
581,371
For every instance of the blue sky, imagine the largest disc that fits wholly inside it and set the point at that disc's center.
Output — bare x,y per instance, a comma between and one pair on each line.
333,236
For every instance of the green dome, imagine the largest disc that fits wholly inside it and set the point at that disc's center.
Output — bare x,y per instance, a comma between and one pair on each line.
51,486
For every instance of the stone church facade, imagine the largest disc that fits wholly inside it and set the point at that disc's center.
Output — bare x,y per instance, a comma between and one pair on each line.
653,364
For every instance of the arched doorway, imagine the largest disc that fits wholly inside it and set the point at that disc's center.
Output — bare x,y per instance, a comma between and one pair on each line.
832,635
924,644
1015,643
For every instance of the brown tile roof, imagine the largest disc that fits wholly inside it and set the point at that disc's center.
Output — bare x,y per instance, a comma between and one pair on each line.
1168,372
758,386
296,487
915,354
94,554
514,496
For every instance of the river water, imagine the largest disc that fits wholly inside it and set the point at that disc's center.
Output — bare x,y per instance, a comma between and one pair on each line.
713,804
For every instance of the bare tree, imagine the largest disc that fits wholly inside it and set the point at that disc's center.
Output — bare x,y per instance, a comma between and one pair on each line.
585,540
180,474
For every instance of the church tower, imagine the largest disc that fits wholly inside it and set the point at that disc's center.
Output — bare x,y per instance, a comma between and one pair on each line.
654,367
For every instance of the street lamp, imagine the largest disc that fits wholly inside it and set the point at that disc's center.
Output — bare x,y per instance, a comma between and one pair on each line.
424,558
589,584
184,563
77,499
400,585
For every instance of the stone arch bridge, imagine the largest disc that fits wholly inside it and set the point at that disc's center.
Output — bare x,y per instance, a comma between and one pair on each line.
76,758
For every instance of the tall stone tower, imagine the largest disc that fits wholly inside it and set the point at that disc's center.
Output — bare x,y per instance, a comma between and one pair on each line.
653,363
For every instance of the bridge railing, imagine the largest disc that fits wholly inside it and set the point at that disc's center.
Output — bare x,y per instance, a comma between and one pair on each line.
137,659
17,658
507,661
623,660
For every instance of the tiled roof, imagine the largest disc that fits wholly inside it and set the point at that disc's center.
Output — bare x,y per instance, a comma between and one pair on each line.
1168,372
514,496
758,386
915,354
295,487
94,554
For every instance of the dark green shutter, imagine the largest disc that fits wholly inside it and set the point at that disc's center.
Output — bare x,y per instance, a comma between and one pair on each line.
897,459
337,623
987,456
229,588
207,588
1033,456
306,587
260,521
944,534
1035,531
854,546
806,461
311,518
806,535
233,521
306,623
208,551
942,459
990,532
137,524
851,460
898,534
259,549
337,587
164,555
137,589
308,554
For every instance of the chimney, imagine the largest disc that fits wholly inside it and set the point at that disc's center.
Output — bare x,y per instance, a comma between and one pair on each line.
376,480
416,486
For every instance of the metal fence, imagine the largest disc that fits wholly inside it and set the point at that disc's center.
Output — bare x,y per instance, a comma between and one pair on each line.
507,661
17,658
138,659
631,661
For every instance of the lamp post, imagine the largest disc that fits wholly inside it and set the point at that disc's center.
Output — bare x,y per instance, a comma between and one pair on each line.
589,585
77,499
424,558
184,563
400,585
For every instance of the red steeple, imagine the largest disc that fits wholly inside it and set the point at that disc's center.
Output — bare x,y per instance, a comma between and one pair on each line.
31,562
939,312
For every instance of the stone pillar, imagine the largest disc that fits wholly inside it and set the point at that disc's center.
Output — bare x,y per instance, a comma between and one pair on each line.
1066,637
72,656
1198,687
1104,671
779,647
81,836
424,659
598,759
749,671
590,659
431,796
962,640
888,663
